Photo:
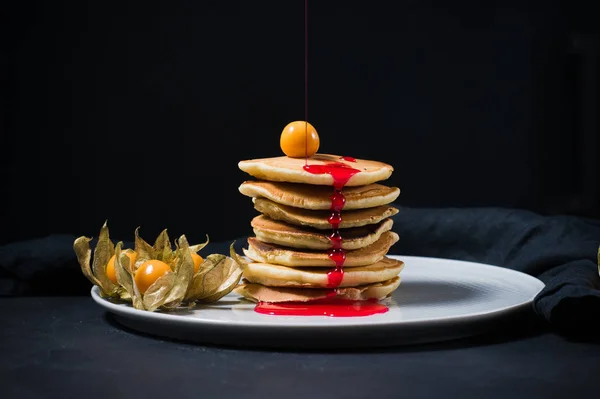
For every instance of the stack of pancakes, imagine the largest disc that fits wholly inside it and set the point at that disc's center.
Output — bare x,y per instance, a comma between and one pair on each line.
290,250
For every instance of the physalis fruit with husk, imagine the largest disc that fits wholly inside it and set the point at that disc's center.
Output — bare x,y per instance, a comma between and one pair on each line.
158,277
216,277
101,272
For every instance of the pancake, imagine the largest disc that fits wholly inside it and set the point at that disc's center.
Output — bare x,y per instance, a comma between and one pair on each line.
286,169
281,233
283,276
318,197
261,293
263,252
318,219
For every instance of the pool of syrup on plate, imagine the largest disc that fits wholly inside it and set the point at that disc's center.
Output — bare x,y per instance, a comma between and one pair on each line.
331,307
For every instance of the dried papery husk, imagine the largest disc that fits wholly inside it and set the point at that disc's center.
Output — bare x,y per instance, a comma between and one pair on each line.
124,273
191,249
197,288
157,293
216,277
162,249
82,249
184,272
129,266
125,296
102,253
242,263
196,248
96,273
143,249
209,263
138,297
230,277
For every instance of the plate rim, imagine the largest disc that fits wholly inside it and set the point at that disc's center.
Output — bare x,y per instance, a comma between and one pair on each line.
124,310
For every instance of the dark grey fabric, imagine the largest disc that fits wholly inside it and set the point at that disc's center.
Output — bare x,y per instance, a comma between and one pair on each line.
561,251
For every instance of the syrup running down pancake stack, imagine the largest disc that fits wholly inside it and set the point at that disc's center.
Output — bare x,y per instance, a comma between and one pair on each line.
324,230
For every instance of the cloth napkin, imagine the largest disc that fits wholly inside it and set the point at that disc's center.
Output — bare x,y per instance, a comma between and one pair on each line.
561,251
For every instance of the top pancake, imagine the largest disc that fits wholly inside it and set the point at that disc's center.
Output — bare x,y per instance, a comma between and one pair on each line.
291,170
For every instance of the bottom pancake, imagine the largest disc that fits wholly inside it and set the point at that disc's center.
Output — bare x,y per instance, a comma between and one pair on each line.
310,277
260,293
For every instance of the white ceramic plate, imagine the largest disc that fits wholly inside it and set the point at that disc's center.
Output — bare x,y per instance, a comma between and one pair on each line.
438,299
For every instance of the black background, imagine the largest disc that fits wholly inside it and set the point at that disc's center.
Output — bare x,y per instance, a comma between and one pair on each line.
138,112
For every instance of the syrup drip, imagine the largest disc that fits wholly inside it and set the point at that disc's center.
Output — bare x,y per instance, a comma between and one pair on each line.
340,173
348,159
336,239
334,220
332,307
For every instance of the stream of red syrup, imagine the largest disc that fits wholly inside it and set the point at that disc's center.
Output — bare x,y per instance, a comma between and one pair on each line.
340,173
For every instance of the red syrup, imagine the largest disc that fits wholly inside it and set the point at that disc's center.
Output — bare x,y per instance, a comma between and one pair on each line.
338,201
332,307
340,173
348,159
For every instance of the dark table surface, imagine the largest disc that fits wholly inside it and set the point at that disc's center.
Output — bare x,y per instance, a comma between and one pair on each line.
68,347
